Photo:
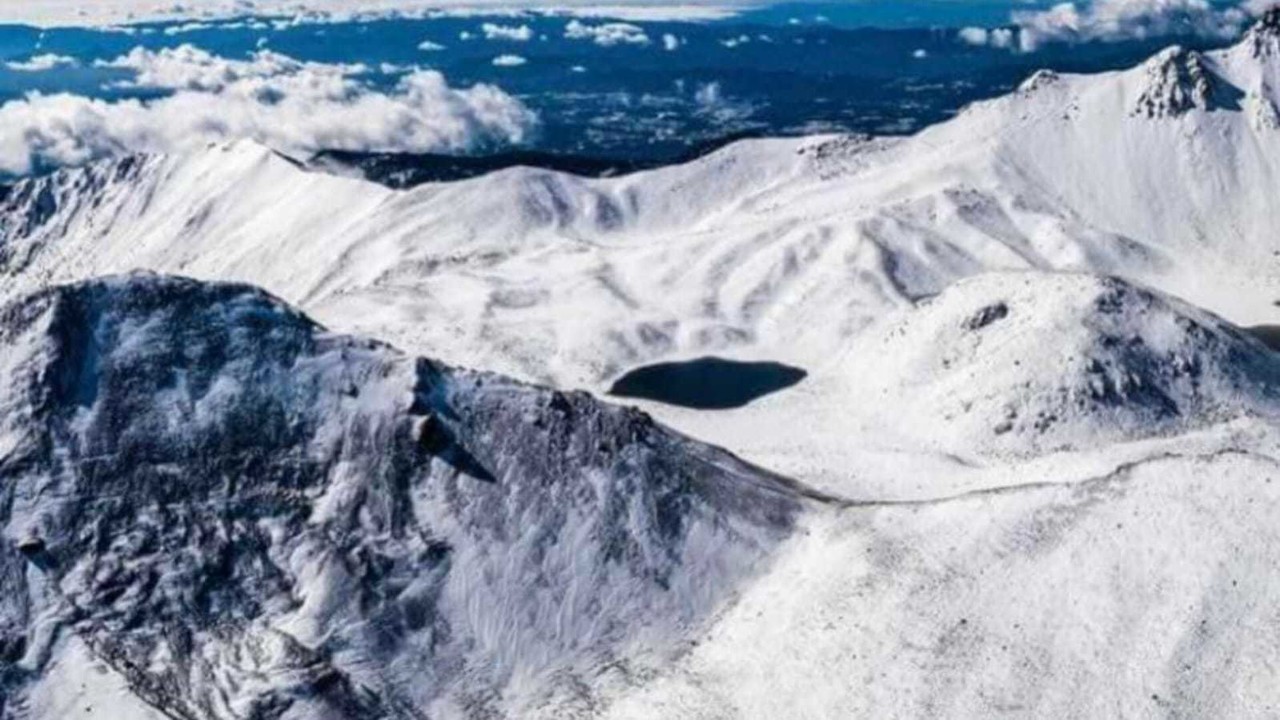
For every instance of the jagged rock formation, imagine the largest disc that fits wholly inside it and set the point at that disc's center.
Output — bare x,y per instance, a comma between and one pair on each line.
1263,39
1039,79
1177,82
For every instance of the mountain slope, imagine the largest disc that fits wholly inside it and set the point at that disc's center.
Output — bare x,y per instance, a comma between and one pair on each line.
1029,362
214,508
1011,378
778,250
1141,592
211,502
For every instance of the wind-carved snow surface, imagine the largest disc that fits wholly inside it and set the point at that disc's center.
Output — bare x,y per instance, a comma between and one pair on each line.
1140,591
241,515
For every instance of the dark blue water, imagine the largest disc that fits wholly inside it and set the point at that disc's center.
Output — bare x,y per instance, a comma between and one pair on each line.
787,69
708,383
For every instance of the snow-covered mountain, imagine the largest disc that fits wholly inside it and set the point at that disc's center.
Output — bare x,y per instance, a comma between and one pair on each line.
1044,449
782,250
1141,591
214,509
1026,362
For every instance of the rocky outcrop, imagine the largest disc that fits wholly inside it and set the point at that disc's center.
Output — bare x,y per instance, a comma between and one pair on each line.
1176,82
245,516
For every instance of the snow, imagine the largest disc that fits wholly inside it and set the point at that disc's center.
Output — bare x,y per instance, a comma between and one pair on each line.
778,250
1137,593
77,684
1030,471
236,510
1026,363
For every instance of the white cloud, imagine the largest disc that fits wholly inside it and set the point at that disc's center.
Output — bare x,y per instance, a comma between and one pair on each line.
670,42
188,27
509,61
920,54
974,35
521,33
394,69
41,63
711,101
735,42
1110,20
292,106
429,46
708,94
188,67
607,34
1258,7
244,25
996,37
99,13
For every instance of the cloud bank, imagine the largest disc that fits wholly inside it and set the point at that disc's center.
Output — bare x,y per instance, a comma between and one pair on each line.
607,34
996,37
41,63
187,67
99,13
521,33
296,107
1110,20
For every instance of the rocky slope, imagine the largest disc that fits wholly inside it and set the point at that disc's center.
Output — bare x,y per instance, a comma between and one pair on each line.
214,508
1011,378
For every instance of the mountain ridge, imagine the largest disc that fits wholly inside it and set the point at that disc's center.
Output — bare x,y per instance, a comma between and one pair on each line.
216,508
780,250
244,516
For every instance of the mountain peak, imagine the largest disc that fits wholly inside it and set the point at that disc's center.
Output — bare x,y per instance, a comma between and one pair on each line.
1176,81
1039,79
1263,39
